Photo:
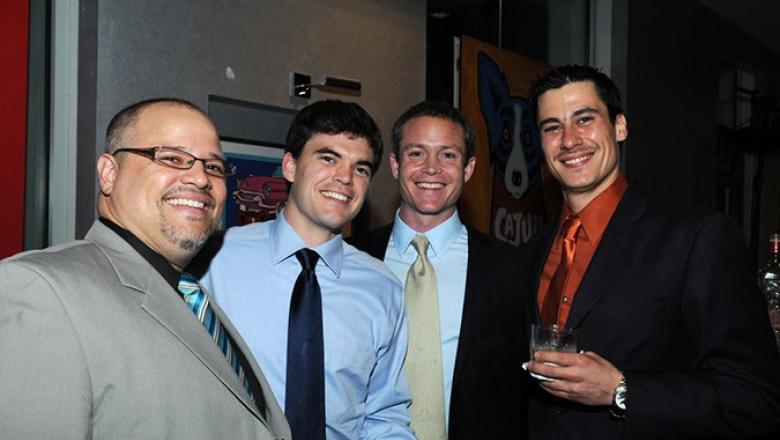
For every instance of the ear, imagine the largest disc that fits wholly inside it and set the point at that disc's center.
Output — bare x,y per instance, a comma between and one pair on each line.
289,165
621,127
107,170
468,170
394,165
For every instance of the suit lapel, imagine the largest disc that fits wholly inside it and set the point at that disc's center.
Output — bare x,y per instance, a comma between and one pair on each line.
162,304
477,279
250,361
608,263
165,307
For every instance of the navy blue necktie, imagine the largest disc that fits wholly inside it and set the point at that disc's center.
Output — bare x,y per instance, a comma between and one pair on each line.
305,384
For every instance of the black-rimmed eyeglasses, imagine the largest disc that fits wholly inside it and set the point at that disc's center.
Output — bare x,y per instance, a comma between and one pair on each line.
173,157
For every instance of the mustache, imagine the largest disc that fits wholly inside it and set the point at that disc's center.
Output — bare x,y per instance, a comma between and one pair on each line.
576,150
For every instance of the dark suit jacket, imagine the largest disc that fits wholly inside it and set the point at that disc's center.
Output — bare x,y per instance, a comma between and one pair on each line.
488,399
671,299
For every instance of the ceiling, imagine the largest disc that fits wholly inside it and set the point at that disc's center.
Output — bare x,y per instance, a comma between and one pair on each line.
758,18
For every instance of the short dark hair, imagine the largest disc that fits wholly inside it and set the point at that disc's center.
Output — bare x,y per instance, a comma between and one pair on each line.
435,109
126,118
562,75
334,117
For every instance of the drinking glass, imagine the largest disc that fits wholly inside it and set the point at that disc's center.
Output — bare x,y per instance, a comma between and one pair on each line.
550,338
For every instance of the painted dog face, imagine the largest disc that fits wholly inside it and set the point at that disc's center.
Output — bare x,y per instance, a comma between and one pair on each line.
515,151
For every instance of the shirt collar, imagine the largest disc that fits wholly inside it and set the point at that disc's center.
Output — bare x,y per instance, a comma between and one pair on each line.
157,261
285,242
440,238
597,213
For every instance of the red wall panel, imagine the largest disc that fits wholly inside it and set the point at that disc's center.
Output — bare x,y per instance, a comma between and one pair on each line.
14,28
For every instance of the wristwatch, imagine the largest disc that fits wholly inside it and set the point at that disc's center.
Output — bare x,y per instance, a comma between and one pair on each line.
618,408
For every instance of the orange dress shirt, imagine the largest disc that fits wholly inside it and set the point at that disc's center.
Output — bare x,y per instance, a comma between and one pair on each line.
594,217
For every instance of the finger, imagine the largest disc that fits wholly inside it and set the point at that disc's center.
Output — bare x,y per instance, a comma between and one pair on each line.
549,387
559,358
549,370
559,386
593,356
555,371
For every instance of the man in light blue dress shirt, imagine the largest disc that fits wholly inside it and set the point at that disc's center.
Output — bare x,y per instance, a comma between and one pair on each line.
482,318
333,149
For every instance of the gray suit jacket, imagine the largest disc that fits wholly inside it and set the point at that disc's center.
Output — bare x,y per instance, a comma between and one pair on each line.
95,344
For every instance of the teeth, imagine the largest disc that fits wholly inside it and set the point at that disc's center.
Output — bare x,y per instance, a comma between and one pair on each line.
430,185
186,202
576,160
335,195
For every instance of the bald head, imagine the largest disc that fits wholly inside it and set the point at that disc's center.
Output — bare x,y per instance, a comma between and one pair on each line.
121,128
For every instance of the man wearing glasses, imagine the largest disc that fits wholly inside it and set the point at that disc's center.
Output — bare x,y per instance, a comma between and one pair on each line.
106,338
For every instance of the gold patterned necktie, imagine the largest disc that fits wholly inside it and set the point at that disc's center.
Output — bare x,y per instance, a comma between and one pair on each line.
552,300
423,359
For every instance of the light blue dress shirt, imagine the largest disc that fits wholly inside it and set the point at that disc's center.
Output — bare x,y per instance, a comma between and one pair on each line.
449,254
364,324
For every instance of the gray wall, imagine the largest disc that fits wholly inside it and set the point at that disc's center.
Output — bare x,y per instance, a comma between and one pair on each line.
182,48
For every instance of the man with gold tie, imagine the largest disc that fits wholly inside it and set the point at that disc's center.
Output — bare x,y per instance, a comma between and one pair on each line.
106,338
466,313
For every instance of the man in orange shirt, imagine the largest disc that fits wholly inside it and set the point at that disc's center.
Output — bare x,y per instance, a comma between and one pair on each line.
673,334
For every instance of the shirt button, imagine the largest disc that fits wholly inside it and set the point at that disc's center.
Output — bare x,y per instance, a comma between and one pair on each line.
565,300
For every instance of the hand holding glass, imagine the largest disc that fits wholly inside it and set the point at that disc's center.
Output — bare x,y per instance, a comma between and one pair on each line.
551,338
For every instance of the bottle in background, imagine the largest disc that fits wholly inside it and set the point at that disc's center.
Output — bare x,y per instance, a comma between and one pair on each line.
769,281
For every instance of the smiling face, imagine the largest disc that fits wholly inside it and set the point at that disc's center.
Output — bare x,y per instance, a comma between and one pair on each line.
173,211
329,182
431,170
580,143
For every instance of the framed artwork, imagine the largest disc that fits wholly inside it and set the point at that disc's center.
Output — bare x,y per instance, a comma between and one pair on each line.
511,194
258,191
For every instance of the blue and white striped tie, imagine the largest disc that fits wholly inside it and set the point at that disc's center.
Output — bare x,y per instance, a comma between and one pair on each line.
198,302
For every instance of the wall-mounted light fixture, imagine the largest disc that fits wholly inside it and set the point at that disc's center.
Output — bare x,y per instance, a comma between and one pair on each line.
301,85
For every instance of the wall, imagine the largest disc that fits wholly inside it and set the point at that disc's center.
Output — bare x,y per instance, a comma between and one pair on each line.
13,119
672,101
673,53
149,48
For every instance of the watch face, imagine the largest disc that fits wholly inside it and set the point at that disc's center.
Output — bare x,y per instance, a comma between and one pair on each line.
620,397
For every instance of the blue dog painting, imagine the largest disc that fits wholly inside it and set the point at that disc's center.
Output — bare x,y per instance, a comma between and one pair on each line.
515,151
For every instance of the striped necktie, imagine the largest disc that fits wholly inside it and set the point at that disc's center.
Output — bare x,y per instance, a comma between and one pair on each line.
423,359
198,301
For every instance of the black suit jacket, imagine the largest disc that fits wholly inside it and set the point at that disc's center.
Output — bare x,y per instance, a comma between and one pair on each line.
671,299
488,399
